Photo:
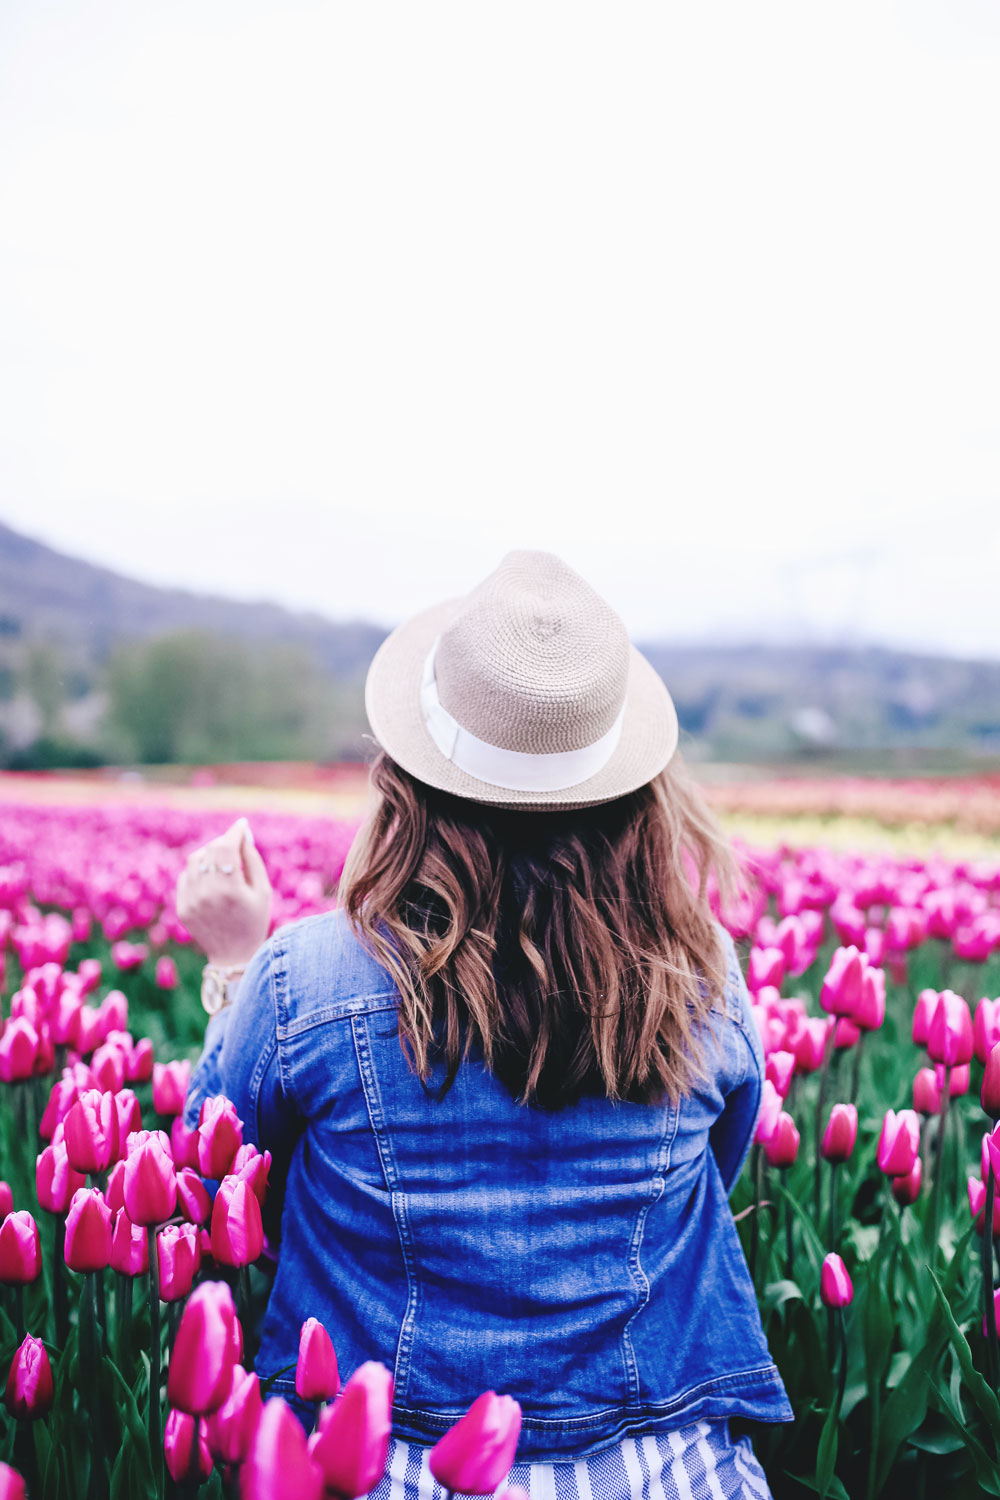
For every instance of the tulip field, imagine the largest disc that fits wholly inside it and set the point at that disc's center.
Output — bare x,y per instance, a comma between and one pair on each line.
133,1261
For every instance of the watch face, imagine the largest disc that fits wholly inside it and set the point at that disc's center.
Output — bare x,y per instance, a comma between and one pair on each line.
213,991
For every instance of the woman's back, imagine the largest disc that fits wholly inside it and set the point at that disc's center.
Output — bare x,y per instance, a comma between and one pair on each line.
582,1259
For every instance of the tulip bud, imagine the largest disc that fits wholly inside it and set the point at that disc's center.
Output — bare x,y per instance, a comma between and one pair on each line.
765,967
353,1437
477,1453
166,972
835,1284
279,1461
899,1142
170,1086
63,1096
88,1232
316,1375
923,1010
6,1200
252,1167
179,1256
29,1390
108,1068
18,1050
780,1068
220,1135
840,1134
906,1188
192,1197
926,1093
55,1180
230,1430
770,1109
11,1484
20,1249
845,1033
129,1246
986,1028
782,1147
92,1138
990,1093
237,1231
178,1446
842,987
183,1144
810,1044
150,1183
139,1064
958,1079
996,1311
869,1012
129,1114
204,1352
949,1037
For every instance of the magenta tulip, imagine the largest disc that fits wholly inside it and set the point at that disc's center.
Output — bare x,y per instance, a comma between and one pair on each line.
166,972
183,1144
782,1146
139,1065
55,1180
810,1044
906,1188
6,1199
989,1094
20,1249
129,1114
129,1246
842,986
18,1050
170,1085
205,1350
62,1097
179,1256
780,1069
279,1462
87,1246
477,1453
237,1231
253,1168
835,1284
316,1375
11,1484
922,1013
949,1037
150,1182
869,1012
29,1390
770,1109
220,1136
178,1446
91,1126
926,1092
192,1197
353,1437
986,1028
840,1134
899,1142
766,966
230,1430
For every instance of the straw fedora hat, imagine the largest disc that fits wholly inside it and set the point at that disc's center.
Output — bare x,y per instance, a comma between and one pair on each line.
525,693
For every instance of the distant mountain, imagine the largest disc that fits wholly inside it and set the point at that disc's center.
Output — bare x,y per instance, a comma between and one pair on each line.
47,596
734,702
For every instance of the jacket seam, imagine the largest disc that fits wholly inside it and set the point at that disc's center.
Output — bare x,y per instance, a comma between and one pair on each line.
373,1104
344,1011
639,1278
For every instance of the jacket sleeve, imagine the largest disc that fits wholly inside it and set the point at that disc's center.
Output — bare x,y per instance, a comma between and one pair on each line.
743,1077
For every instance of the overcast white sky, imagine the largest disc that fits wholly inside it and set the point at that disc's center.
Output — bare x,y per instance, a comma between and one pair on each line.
334,303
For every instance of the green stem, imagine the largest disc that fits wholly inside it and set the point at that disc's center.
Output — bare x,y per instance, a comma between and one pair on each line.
59,1298
91,1358
243,1281
856,1070
155,1443
102,1308
936,1190
19,1313
820,1100
789,1242
843,1358
123,1320
990,1305
833,1206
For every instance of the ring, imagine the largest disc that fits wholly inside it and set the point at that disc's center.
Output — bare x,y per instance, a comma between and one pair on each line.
226,869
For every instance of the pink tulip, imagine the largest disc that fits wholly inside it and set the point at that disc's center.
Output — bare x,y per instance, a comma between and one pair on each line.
108,1068
20,1249
237,1231
178,1446
204,1352
780,1068
989,1094
986,1028
11,1484
220,1135
923,1011
88,969
279,1462
845,1033
18,1050
765,967
252,1167
183,1143
906,1188
29,1392
128,956
782,1147
926,1092
88,1232
477,1453
230,1430
316,1375
166,972
899,1142
869,1012
150,1183
6,1199
840,1134
179,1256
770,1109
842,987
810,1044
170,1086
62,1097
129,1114
91,1127
129,1246
192,1197
958,1079
55,1180
949,1038
835,1284
353,1437
139,1065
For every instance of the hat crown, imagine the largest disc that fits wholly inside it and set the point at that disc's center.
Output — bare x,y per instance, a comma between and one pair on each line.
534,660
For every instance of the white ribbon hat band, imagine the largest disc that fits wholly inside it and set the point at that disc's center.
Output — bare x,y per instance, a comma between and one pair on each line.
514,770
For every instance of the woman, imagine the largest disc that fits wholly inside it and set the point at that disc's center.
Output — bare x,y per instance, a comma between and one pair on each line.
509,1086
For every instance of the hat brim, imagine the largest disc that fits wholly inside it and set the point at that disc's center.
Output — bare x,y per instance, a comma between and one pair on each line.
392,700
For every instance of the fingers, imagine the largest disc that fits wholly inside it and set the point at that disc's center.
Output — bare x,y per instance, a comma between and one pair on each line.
254,869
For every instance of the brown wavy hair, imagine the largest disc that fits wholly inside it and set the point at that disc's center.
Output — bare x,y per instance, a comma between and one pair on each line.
575,951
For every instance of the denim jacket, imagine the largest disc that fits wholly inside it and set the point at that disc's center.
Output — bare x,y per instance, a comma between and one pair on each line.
584,1260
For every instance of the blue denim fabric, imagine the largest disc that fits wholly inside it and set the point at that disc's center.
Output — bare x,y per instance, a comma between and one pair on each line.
585,1260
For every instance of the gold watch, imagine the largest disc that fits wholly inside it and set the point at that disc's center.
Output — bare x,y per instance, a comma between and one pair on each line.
218,986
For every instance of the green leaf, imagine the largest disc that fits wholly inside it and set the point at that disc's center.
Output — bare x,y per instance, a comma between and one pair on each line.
814,1244
986,1469
826,1452
980,1392
906,1408
778,1293
836,1490
135,1426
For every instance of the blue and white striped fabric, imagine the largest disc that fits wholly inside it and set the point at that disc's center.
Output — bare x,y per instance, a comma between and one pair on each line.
697,1462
